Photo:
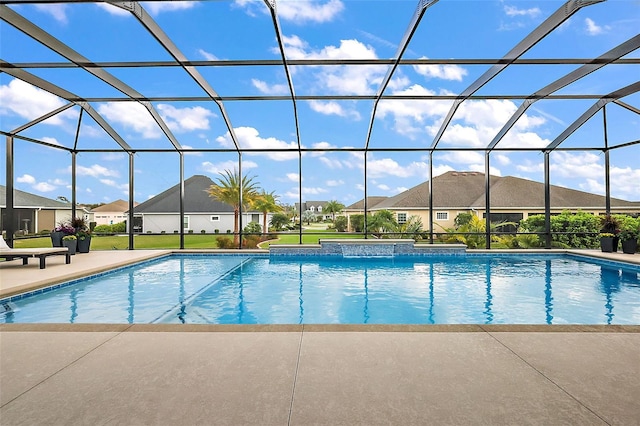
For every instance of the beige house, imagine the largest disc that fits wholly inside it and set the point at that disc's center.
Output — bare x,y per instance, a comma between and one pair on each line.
108,214
512,199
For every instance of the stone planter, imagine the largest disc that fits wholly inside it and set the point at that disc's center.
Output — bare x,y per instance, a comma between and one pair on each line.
71,245
630,246
56,238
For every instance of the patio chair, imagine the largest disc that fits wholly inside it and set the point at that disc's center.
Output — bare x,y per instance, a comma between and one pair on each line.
9,253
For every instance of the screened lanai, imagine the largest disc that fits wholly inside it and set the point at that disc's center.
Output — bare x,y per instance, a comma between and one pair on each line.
317,100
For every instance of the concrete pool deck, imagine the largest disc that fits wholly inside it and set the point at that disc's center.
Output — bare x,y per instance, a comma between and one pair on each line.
312,374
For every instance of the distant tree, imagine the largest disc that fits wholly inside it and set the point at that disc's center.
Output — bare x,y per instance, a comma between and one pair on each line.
340,223
227,189
279,220
266,202
63,199
308,216
333,207
383,221
357,222
463,219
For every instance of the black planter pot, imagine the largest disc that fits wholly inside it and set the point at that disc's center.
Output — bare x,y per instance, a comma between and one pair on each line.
56,238
630,246
84,244
71,245
609,244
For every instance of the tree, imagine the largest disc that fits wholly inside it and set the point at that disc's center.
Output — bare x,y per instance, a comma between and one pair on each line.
63,199
279,220
266,203
382,221
308,216
333,207
227,190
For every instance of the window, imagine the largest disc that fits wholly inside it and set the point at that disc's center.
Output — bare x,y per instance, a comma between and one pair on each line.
215,219
312,209
442,215
402,218
319,208
185,223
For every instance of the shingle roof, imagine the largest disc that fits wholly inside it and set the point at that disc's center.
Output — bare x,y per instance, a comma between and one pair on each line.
372,201
467,189
196,199
23,199
116,206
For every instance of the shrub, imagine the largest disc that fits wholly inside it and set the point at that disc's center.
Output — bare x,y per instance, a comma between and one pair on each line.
202,231
45,232
217,231
119,227
251,241
103,229
190,231
163,232
225,242
341,223
148,232
252,228
228,231
175,231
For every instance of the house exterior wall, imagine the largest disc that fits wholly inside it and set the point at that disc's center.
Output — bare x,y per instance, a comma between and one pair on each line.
109,218
169,222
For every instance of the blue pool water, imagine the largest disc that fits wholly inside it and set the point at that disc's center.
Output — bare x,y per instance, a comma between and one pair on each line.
217,289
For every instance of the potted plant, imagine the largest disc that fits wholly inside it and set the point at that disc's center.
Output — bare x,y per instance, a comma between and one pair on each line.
629,234
70,242
84,241
60,231
609,229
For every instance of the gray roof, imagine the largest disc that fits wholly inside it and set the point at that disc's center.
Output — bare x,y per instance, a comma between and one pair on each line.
196,199
372,202
23,199
467,190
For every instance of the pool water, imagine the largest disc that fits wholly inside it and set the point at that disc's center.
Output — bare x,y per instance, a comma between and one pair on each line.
472,289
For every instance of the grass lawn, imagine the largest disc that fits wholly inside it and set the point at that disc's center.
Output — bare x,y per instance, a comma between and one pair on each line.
172,241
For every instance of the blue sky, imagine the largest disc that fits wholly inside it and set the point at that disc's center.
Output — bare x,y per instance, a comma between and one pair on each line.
329,29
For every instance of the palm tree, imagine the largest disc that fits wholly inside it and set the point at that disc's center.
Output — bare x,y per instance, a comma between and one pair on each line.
266,203
307,216
333,207
227,190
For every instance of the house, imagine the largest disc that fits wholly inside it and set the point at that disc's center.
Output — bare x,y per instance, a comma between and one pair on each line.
33,213
512,199
201,212
108,214
314,207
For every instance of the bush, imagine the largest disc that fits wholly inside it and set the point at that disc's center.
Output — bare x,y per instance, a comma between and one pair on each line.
45,232
217,231
251,241
119,227
103,229
202,231
252,228
341,223
163,232
225,242
148,232
190,231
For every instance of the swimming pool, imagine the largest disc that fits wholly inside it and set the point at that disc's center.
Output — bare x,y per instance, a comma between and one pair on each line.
256,289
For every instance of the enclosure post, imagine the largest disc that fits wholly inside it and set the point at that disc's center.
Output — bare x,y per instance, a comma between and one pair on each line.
300,196
607,180
73,184
131,197
8,223
487,201
431,196
547,202
365,197
181,200
241,190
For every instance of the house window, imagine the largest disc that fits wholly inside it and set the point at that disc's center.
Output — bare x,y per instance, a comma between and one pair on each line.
215,218
319,208
312,209
402,218
442,215
185,222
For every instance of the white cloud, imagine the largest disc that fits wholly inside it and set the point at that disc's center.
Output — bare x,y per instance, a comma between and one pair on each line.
576,165
355,80
133,116
44,187
294,177
26,179
626,183
299,11
502,159
389,167
156,7
514,11
442,169
303,11
218,168
275,89
463,157
593,29
57,11
445,72
185,119
333,108
249,138
95,170
206,55
29,102
334,182
384,187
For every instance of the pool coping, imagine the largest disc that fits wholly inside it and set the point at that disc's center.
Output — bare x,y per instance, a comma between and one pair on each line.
321,328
